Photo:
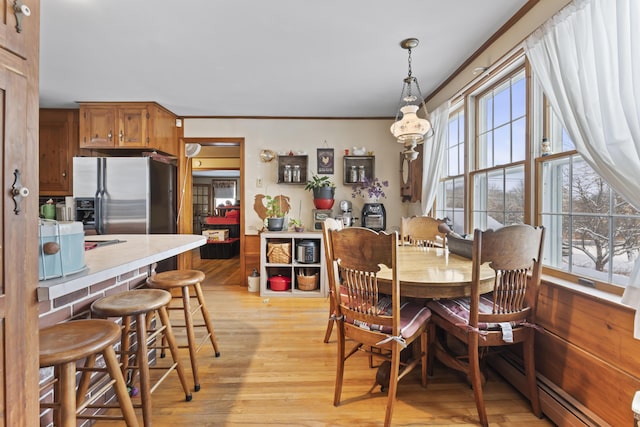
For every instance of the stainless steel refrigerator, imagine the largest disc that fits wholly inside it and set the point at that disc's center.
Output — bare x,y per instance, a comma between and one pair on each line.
125,195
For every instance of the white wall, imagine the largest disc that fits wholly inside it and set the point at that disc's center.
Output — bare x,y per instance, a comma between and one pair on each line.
283,135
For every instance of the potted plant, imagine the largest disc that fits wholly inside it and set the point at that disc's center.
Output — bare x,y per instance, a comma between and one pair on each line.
274,213
323,191
296,224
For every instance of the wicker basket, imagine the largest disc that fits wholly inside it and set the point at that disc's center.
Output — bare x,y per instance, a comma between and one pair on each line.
279,253
307,283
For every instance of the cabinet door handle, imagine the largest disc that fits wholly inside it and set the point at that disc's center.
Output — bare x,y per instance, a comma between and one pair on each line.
18,192
110,135
20,10
121,135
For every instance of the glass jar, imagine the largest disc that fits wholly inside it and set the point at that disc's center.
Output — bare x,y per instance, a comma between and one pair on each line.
361,175
353,174
296,173
287,175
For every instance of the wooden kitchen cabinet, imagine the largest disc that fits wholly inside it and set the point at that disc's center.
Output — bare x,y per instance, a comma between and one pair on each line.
125,125
58,146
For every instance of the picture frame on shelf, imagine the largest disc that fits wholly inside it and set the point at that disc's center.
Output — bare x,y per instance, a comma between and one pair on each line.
326,161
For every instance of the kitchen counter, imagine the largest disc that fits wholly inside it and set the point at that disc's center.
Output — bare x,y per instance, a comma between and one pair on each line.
108,261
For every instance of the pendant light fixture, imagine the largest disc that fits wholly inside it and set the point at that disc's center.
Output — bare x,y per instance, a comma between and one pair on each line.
410,129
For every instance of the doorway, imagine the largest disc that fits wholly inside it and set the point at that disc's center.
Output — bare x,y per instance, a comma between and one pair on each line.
215,194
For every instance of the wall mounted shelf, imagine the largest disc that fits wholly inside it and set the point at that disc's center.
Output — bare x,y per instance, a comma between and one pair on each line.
288,167
359,165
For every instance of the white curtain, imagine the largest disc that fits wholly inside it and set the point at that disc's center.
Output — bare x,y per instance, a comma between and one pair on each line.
433,155
587,61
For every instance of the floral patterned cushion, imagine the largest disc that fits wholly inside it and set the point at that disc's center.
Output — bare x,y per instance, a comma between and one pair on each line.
456,311
412,317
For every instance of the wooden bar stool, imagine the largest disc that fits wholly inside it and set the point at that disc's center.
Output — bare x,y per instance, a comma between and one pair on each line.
142,305
184,279
64,344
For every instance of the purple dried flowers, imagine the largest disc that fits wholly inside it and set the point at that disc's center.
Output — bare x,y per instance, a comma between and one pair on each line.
370,189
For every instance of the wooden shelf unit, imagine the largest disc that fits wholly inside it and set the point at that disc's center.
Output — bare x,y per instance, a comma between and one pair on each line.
292,268
368,162
300,161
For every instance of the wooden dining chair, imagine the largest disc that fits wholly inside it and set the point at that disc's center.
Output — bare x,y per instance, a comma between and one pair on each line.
503,317
423,231
368,318
330,224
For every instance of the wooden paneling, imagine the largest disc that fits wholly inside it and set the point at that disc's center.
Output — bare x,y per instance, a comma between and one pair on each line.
589,351
601,387
251,253
602,328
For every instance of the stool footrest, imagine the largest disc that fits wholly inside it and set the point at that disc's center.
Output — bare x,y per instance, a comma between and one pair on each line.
163,377
199,345
95,395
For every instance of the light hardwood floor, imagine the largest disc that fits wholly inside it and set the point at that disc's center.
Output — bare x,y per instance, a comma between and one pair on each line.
275,370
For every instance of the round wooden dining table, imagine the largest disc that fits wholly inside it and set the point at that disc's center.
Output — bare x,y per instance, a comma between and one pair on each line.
431,273
434,273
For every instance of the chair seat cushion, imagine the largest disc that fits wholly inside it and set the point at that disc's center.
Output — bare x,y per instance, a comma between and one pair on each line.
456,311
412,317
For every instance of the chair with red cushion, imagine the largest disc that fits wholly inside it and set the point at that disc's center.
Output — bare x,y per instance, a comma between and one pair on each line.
504,317
372,320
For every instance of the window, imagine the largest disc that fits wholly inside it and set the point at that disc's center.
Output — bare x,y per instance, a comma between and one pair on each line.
201,198
450,196
498,197
499,175
592,232
224,191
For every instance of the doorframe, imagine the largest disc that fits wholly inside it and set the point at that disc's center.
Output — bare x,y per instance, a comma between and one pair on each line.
185,223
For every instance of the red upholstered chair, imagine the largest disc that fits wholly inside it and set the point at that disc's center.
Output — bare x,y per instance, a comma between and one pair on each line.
366,317
504,317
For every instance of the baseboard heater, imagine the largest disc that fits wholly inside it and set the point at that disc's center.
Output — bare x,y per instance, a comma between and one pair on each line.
557,405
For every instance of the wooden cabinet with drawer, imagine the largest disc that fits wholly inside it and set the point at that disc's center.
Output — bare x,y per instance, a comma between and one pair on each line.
138,125
58,144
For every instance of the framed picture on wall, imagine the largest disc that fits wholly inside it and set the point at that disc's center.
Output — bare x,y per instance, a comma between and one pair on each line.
325,161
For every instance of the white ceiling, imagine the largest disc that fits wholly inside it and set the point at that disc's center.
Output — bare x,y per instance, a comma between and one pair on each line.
275,58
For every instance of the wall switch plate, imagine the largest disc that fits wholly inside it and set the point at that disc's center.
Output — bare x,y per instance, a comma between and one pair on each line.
259,182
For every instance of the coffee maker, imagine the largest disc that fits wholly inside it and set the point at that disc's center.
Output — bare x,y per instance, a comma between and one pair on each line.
345,213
